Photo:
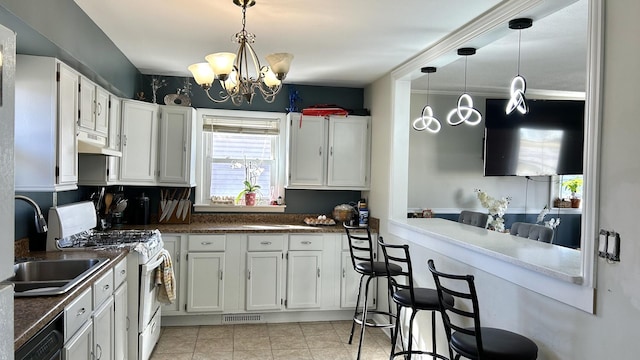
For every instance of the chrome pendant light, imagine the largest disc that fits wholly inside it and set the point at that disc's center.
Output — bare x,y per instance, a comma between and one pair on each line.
464,112
239,81
427,121
517,100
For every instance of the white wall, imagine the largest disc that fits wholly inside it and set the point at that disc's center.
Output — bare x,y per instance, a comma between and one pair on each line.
561,331
445,168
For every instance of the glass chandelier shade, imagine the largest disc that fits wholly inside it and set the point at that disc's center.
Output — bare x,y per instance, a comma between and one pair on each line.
517,100
427,121
464,112
241,75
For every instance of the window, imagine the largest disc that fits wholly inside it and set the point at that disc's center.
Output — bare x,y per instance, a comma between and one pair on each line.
559,189
233,146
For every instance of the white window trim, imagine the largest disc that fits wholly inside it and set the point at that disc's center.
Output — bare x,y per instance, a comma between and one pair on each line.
204,205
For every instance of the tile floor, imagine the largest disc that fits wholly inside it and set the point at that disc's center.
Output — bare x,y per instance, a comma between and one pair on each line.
295,341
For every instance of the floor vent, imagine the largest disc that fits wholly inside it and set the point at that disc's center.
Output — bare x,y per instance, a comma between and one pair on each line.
242,318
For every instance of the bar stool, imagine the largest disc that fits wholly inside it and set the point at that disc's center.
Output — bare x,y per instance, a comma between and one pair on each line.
362,258
475,342
406,296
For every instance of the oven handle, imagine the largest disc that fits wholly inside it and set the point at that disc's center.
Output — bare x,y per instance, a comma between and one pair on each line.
149,267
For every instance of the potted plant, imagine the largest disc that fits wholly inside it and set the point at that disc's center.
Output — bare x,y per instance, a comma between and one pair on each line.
249,193
573,185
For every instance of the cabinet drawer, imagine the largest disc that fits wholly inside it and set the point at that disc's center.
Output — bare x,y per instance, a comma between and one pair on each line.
345,242
119,273
77,313
266,242
102,288
305,242
206,242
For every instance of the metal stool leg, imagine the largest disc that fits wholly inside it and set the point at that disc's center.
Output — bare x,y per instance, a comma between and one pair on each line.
433,334
355,314
364,316
395,332
413,315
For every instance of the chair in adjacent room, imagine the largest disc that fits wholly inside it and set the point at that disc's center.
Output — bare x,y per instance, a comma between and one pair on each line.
532,231
473,218
475,342
408,297
361,248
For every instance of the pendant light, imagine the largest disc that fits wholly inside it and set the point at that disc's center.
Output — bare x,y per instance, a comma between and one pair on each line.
427,121
464,112
517,100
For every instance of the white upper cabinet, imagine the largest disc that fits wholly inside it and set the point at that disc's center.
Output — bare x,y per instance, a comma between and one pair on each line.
176,150
139,143
329,152
46,112
94,108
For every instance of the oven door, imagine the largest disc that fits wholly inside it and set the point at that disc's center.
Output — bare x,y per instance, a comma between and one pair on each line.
149,303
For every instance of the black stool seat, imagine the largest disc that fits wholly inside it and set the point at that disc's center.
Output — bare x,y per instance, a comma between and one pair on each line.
378,268
425,299
497,344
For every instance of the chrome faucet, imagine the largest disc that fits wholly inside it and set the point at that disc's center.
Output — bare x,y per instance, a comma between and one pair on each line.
41,224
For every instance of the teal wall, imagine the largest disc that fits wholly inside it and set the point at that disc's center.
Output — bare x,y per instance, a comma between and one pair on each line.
83,46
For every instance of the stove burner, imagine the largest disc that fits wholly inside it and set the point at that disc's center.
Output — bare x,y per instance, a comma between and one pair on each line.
107,238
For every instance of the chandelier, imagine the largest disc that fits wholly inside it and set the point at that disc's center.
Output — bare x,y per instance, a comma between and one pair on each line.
240,75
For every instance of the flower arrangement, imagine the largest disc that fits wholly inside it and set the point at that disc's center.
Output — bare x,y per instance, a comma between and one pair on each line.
496,208
252,172
551,223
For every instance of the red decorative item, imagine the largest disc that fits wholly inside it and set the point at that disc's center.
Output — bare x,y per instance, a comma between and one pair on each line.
250,199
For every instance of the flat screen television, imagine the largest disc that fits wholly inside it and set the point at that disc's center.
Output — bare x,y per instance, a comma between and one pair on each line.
548,140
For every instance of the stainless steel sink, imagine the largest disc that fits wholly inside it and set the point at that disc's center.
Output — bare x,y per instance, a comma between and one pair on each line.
52,277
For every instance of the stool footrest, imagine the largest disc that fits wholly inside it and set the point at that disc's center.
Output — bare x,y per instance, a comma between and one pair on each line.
418,352
358,319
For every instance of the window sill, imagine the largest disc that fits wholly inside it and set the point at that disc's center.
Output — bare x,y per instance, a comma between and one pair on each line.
202,208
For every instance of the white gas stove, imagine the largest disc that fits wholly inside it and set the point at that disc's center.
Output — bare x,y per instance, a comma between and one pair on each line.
71,227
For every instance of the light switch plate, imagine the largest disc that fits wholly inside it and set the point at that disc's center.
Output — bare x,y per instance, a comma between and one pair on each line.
613,247
602,245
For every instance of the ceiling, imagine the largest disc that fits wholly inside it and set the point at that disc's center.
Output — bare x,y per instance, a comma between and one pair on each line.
336,42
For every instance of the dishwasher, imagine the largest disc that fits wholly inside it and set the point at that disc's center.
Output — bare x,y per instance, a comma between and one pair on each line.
47,344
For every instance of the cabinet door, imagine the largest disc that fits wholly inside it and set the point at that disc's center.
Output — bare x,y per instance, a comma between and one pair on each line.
303,279
349,285
80,346
87,104
205,281
264,274
103,331
102,111
113,140
67,161
139,142
348,163
175,165
172,245
120,323
307,150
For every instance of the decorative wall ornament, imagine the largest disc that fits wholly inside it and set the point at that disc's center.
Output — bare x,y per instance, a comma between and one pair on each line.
517,100
465,112
427,121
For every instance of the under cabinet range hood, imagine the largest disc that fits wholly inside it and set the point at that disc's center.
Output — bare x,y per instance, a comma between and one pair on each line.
94,144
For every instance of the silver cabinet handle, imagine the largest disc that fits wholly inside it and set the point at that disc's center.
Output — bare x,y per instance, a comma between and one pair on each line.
221,274
128,323
306,242
249,275
123,271
320,151
99,109
124,140
105,288
206,243
318,271
331,151
344,273
81,311
98,348
265,243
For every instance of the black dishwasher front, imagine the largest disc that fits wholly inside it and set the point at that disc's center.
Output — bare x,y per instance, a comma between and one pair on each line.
46,344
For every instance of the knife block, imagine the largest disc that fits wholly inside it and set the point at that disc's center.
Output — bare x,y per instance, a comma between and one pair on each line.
172,218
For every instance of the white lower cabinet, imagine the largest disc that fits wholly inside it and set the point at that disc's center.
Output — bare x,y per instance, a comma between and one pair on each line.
80,346
304,262
264,280
172,243
103,330
205,273
121,323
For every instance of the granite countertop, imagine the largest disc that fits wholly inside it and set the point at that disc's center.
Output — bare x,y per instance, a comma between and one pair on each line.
32,313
